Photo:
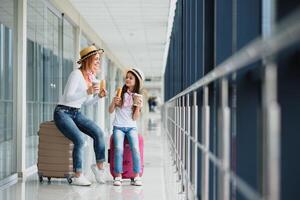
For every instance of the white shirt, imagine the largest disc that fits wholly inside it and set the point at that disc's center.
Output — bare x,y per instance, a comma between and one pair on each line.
75,93
123,115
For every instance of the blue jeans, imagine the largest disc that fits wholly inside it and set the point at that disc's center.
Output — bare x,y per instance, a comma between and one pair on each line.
73,124
132,136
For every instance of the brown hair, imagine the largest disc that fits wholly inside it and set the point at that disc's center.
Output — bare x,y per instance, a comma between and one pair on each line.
86,63
136,89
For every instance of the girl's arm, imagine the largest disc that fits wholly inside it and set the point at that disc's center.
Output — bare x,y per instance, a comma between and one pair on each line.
115,102
136,114
112,107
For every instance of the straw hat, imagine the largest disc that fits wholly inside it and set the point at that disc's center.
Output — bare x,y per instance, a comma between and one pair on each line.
87,52
139,74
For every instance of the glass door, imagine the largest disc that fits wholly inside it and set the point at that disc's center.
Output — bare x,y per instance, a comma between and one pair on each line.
44,79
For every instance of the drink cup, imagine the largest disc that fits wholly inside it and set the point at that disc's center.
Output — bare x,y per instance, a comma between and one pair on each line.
96,83
136,99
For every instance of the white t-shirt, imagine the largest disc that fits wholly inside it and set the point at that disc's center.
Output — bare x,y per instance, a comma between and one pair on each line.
123,115
75,93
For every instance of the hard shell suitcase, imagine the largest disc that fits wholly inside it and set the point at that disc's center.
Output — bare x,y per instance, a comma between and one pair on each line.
54,153
127,158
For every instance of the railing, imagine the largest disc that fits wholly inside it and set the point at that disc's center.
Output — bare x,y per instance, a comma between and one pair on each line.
180,121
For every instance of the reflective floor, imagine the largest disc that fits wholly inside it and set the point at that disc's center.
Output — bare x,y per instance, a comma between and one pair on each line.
153,178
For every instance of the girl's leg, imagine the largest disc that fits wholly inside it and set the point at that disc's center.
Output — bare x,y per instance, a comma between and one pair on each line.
66,125
132,136
118,137
89,127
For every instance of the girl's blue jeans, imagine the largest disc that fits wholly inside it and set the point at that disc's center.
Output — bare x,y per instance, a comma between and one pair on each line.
132,136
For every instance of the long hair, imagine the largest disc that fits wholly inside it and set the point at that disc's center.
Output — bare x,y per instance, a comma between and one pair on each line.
136,89
87,63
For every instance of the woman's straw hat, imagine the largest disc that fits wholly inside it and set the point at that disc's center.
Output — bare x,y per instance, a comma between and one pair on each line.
87,52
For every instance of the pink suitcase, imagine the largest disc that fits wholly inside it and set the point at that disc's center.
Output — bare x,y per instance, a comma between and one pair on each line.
127,158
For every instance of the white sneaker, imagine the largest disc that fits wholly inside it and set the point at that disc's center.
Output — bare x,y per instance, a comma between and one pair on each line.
99,173
137,181
81,180
118,181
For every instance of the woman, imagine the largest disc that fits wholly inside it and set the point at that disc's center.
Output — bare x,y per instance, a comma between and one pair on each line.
80,90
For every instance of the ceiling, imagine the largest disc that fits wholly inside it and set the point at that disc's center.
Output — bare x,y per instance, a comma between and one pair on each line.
134,30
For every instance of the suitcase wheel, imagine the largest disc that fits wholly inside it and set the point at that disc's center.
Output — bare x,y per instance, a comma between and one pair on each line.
69,180
41,179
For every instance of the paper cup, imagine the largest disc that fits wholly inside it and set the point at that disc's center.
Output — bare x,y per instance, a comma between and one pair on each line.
136,98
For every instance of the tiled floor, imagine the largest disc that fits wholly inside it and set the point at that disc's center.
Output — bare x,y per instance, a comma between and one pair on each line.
153,179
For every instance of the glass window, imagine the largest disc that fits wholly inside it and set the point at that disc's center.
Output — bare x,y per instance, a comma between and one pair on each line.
84,41
7,128
68,51
50,59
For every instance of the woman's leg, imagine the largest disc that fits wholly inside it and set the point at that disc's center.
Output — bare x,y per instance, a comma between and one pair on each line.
90,128
132,136
66,125
118,137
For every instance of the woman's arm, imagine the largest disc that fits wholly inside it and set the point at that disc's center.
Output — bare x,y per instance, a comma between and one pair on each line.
71,87
95,97
91,99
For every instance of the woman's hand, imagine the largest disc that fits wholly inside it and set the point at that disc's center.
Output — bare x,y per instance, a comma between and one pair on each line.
93,89
102,93
90,90
117,101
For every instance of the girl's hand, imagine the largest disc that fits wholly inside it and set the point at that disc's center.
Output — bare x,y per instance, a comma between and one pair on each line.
102,93
117,101
139,103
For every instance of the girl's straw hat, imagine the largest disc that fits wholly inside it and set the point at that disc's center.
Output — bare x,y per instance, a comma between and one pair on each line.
139,74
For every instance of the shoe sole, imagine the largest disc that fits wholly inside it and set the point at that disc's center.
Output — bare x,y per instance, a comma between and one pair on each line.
136,184
81,185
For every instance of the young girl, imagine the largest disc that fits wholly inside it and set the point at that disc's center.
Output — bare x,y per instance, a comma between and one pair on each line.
125,124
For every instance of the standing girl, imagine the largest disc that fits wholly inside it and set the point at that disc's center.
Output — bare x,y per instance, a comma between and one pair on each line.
128,108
